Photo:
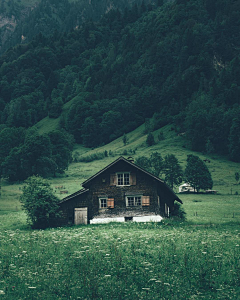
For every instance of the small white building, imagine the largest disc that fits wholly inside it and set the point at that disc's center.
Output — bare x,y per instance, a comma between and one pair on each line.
186,187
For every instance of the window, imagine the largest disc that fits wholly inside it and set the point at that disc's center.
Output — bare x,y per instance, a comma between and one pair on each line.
103,202
106,202
133,200
123,179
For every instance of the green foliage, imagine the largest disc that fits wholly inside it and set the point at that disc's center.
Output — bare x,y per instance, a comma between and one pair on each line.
156,162
178,212
10,138
237,176
234,140
153,164
125,139
120,75
61,147
36,154
160,136
55,108
197,173
173,171
150,141
39,203
143,162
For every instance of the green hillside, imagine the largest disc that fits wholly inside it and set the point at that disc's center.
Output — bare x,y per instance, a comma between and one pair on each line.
161,65
222,170
164,62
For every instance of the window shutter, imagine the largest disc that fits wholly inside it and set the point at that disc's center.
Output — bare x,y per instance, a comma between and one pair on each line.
113,179
145,200
110,203
133,179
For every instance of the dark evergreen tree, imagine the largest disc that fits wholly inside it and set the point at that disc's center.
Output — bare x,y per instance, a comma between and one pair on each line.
61,148
150,139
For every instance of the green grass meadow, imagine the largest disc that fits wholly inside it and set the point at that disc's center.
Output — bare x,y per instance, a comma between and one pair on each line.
167,260
193,259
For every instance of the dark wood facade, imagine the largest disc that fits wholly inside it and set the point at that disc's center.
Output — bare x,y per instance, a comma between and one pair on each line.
121,189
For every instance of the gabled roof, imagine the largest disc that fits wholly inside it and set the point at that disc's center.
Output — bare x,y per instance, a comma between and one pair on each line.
121,158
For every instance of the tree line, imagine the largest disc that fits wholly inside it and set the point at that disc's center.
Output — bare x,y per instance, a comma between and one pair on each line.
196,172
24,153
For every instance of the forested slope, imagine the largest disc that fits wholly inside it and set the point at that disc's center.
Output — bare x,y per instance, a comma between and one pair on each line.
176,63
21,20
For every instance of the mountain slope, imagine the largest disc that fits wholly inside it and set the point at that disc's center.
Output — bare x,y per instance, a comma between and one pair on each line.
159,65
21,20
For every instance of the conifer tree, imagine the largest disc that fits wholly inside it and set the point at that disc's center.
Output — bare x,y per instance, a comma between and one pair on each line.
150,139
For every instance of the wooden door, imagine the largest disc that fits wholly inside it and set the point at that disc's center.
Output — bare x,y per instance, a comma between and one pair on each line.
80,216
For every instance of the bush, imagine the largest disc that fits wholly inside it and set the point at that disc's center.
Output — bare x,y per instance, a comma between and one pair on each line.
178,212
39,203
160,136
94,156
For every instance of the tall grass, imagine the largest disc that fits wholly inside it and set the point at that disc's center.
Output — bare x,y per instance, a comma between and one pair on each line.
93,157
121,261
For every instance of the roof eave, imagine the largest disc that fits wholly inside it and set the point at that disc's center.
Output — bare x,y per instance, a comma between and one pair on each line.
80,192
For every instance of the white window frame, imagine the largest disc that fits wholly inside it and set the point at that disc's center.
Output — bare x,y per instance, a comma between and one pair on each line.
101,202
125,175
135,200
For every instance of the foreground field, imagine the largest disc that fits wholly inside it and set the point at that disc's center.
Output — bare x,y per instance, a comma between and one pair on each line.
168,260
193,259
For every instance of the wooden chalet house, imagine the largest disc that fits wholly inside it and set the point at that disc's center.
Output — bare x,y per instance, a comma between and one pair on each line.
122,191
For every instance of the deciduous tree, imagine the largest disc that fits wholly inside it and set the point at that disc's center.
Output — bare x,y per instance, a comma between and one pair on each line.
153,164
197,173
173,171
39,202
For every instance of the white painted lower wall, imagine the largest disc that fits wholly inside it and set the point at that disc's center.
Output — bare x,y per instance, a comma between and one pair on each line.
152,218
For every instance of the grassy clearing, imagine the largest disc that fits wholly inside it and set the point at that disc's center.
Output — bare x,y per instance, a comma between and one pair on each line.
211,209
